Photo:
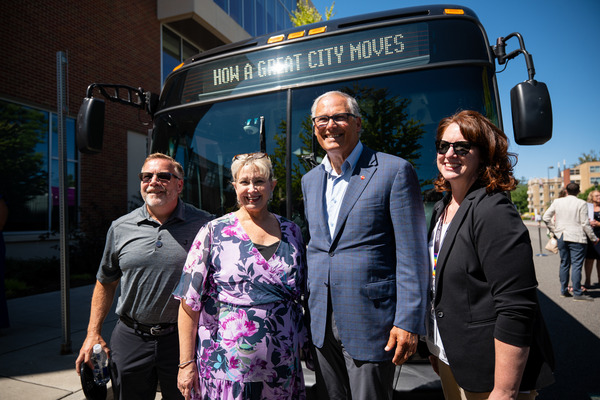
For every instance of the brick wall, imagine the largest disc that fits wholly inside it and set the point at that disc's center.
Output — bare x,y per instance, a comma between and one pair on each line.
106,41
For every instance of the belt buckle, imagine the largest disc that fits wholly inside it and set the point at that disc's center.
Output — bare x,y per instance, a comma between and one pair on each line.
155,330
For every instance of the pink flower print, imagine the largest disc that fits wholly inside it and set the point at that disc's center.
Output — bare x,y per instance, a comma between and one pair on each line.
260,260
234,363
235,230
235,326
258,368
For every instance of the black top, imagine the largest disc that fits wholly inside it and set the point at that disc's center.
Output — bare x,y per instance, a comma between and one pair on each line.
267,251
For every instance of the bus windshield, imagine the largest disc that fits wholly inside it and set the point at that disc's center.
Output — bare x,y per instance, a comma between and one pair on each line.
206,116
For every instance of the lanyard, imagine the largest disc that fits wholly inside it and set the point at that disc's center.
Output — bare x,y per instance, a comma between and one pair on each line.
437,242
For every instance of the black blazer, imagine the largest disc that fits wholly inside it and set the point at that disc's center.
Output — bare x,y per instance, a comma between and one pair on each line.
486,289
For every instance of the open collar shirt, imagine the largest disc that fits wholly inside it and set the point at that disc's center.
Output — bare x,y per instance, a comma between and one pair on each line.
337,184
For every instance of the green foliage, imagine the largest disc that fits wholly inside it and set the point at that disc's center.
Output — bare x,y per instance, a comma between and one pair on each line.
592,156
306,14
584,195
22,143
38,275
519,198
386,126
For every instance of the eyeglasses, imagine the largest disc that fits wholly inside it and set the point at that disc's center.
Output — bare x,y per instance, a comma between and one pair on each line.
461,148
162,177
249,156
341,118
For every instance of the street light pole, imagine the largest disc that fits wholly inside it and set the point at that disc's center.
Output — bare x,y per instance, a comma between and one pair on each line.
541,253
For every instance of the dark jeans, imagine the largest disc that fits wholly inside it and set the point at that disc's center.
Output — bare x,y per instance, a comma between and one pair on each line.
572,256
139,362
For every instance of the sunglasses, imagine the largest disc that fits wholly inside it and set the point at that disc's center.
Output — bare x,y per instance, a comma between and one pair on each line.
341,118
162,177
460,148
249,156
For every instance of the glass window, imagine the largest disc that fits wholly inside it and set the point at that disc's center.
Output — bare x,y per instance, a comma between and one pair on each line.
171,53
211,135
271,15
175,51
29,148
595,180
222,4
249,17
72,174
236,11
594,168
282,16
260,17
405,107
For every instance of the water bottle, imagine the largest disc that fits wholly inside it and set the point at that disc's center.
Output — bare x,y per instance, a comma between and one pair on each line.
100,362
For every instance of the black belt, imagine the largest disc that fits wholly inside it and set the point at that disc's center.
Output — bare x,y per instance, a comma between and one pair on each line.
154,330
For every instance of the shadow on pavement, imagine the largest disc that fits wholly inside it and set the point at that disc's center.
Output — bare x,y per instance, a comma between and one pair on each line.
577,355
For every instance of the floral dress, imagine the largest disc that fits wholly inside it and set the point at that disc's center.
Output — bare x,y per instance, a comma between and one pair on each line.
251,326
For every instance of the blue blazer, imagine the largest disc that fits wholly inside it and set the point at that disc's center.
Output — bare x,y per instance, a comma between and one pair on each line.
375,268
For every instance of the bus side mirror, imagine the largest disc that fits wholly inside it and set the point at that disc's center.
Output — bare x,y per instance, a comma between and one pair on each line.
531,113
90,125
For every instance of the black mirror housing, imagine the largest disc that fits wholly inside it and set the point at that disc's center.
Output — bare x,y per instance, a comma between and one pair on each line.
531,113
90,125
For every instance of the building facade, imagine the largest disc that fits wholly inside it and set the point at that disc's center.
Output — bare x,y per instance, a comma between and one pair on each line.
542,191
586,175
136,43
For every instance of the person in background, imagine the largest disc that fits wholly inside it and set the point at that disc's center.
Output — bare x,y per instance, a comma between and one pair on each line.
144,253
592,255
4,319
486,334
571,228
241,324
367,256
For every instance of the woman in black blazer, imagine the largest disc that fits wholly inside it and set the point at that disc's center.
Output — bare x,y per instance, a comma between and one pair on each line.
486,334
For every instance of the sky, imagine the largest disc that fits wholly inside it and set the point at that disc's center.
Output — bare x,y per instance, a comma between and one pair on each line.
563,39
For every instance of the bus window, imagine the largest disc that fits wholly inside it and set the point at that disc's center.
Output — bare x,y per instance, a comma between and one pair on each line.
400,114
407,69
204,139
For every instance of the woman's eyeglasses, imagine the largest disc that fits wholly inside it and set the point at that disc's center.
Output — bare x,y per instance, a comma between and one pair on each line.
162,177
249,156
341,118
461,148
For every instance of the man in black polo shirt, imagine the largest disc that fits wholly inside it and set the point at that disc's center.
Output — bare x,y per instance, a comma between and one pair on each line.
145,251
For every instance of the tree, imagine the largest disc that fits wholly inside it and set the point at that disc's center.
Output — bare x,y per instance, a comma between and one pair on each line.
592,156
306,14
22,173
584,195
386,123
386,127
519,197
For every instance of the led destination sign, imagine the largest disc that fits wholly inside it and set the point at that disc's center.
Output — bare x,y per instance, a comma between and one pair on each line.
324,58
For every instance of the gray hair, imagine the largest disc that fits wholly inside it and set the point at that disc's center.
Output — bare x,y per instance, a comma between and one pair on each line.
351,102
160,156
263,165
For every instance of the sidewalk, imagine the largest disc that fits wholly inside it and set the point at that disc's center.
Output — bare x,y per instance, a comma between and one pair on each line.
31,366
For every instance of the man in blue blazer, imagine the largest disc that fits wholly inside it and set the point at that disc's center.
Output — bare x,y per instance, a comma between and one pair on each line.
368,271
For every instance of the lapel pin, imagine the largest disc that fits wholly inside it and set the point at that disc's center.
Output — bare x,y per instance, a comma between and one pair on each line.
362,177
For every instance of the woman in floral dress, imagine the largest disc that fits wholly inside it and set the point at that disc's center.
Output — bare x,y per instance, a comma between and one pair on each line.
240,321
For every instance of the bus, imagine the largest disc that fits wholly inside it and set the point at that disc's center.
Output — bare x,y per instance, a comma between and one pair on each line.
408,68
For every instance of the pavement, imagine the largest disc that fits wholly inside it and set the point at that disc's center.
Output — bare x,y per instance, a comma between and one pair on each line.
33,364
